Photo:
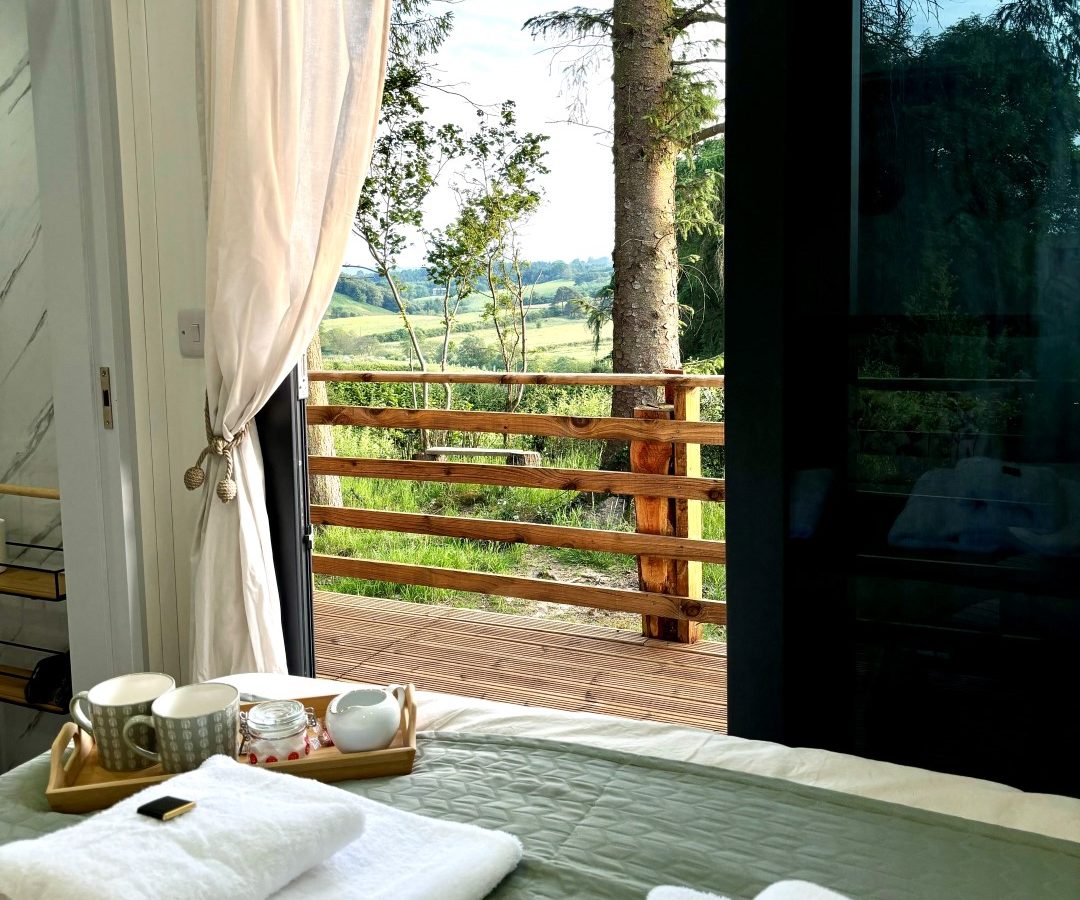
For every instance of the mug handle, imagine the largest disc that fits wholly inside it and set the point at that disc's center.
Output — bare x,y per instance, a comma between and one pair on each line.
397,691
76,710
142,751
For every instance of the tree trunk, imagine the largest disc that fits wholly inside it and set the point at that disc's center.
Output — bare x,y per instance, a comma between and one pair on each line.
645,314
324,490
414,342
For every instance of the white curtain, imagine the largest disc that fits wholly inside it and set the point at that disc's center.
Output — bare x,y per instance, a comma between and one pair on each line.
290,95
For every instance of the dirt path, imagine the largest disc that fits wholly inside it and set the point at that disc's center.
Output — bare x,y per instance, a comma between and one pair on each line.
539,564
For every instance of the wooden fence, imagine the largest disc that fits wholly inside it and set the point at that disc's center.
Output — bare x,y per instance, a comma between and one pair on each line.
665,480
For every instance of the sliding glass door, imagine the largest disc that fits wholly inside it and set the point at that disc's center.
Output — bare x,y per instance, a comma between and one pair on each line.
928,415
964,401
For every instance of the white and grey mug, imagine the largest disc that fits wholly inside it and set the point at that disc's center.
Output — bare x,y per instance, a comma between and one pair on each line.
104,710
191,724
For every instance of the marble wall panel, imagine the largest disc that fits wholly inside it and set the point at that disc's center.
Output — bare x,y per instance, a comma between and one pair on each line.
27,435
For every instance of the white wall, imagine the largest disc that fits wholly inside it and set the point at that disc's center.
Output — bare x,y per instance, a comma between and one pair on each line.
27,433
165,224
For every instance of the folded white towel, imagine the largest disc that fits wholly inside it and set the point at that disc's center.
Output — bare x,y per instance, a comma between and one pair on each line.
402,856
250,834
673,892
782,890
798,890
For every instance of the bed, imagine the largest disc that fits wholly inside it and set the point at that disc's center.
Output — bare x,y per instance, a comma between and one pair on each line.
609,807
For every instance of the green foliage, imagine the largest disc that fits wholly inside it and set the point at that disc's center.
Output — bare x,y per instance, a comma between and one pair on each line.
597,311
364,293
496,191
475,353
688,103
496,195
699,196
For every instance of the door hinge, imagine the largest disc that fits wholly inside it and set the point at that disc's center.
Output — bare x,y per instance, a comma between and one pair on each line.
106,397
302,380
309,537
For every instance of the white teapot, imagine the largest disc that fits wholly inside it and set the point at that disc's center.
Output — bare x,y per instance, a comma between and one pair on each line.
365,718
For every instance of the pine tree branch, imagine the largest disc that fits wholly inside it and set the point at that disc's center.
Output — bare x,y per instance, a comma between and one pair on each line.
705,133
684,22
697,14
578,21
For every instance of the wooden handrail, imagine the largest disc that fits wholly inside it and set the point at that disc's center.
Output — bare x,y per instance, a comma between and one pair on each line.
22,490
643,602
587,427
555,479
523,533
608,379
671,604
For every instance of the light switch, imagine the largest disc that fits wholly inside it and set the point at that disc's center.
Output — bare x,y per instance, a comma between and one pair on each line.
192,327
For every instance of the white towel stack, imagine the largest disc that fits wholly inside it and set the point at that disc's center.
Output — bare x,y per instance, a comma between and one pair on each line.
402,856
252,834
782,890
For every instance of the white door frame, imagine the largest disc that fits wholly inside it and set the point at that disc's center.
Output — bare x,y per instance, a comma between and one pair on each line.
71,64
153,55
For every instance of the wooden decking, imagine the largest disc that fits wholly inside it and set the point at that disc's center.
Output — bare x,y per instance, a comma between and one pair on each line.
520,660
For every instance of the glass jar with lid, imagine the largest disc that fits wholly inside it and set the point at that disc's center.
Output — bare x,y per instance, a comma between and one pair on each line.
276,730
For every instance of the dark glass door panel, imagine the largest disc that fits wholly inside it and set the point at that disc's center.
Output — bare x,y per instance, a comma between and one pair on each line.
903,382
962,487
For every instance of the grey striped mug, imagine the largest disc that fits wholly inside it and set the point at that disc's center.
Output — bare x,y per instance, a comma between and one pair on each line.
104,710
191,724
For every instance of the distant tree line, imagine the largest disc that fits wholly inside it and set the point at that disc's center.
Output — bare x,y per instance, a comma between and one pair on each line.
417,286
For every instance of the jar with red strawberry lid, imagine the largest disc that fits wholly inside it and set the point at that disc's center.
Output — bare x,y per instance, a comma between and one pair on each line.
276,730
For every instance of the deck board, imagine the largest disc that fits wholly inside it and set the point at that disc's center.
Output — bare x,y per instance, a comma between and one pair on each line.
516,659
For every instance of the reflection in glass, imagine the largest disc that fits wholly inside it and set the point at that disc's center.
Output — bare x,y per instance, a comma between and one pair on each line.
967,309
963,400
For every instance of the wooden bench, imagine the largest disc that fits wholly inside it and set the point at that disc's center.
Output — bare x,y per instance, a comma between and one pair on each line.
512,456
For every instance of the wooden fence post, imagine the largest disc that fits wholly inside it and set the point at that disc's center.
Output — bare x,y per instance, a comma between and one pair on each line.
667,516
655,515
688,515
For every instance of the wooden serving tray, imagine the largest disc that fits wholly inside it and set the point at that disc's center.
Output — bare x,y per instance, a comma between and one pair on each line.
78,784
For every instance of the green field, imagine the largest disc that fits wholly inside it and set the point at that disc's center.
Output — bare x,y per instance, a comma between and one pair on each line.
340,304
383,320
547,289
548,338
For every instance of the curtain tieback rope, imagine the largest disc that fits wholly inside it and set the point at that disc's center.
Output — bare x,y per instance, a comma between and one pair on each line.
217,445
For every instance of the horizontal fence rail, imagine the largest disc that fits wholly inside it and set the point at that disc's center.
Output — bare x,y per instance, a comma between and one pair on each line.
609,379
523,533
555,479
643,602
586,427
665,481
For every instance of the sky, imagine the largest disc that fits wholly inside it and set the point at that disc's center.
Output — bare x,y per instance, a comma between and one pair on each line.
490,59
952,11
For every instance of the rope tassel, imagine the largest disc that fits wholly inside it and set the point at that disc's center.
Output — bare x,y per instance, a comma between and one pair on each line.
218,446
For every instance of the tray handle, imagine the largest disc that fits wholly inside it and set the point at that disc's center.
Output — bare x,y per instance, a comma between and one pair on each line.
408,716
63,772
